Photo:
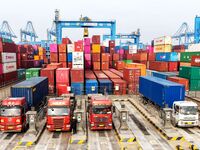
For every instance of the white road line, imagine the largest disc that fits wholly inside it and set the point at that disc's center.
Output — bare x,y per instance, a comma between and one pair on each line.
109,142
5,143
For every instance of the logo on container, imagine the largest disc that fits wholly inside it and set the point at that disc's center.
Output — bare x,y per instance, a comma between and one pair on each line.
197,60
9,57
9,67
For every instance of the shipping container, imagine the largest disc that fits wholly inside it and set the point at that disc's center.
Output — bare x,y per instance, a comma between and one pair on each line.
179,48
195,61
165,40
96,48
21,74
151,56
62,88
119,65
32,72
62,57
194,85
8,67
10,77
115,57
96,57
54,57
105,86
91,86
119,86
26,56
172,56
78,46
77,88
7,57
142,67
54,65
140,56
164,75
77,60
161,92
131,75
34,90
50,73
77,75
172,66
1,80
180,80
70,48
111,75
89,74
104,65
162,48
187,56
62,48
100,75
53,48
96,39
62,75
96,66
158,66
27,64
120,74
8,47
105,57
192,73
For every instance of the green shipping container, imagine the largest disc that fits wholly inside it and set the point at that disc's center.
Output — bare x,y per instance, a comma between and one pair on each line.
21,74
192,73
186,56
32,72
194,85
127,61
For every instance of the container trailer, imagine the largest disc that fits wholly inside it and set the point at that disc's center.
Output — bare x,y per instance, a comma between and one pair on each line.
164,94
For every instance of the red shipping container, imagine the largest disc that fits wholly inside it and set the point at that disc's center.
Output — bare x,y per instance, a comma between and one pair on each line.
8,47
105,57
119,65
111,75
52,88
173,66
62,89
179,80
78,46
64,64
179,48
27,63
50,73
100,75
141,62
111,64
158,66
126,52
54,65
62,48
195,61
26,56
120,74
128,56
96,39
133,88
66,41
115,57
69,64
119,86
151,56
54,57
77,75
46,60
10,77
96,57
1,80
131,75
62,75
112,43
103,49
112,50
21,49
89,74
140,56
104,65
62,57
96,66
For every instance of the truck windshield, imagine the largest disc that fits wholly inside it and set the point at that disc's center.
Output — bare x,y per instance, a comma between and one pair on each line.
189,110
101,109
55,111
10,111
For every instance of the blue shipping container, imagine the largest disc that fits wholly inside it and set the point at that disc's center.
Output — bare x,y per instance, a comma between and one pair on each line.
91,86
161,92
105,85
69,57
77,88
125,47
164,75
34,90
171,56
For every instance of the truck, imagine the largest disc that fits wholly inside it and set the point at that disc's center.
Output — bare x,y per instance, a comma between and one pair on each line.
58,114
25,96
167,94
100,113
13,114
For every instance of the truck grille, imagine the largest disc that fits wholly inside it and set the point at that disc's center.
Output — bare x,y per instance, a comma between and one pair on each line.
11,122
58,123
101,119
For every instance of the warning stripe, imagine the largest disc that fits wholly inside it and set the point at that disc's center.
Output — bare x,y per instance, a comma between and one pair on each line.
77,141
176,138
179,147
193,147
127,139
25,144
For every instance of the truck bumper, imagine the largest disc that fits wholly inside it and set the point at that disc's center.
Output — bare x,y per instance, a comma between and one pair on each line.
188,123
101,126
8,128
64,128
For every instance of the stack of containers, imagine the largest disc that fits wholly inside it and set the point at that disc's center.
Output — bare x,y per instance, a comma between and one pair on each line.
193,75
91,83
140,58
120,74
70,50
104,61
77,55
87,53
62,49
62,81
119,65
161,45
96,50
131,76
77,81
26,56
115,58
42,56
8,64
186,58
50,73
53,53
36,56
142,67
55,65
21,74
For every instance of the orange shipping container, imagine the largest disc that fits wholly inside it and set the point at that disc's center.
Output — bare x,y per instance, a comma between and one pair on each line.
62,48
105,57
119,65
185,64
96,48
140,57
183,81
104,65
36,57
96,66
64,64
119,86
142,67
62,57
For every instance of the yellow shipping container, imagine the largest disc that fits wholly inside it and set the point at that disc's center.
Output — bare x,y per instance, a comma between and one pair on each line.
185,64
96,48
40,49
162,48
36,57
142,67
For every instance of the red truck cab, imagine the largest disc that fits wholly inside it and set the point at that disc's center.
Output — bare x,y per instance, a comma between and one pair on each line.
13,114
58,114
100,113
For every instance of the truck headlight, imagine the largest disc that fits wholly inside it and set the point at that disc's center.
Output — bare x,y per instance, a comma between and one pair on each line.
2,120
1,126
67,126
18,120
92,124
19,126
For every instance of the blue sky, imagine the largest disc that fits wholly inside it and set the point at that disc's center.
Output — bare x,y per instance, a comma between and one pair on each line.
154,17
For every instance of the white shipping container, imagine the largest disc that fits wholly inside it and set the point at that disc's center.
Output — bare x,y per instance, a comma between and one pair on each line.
8,57
70,48
193,48
8,67
105,43
132,49
165,40
77,60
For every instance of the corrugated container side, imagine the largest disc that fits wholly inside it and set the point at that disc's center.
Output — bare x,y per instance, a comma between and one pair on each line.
105,85
91,86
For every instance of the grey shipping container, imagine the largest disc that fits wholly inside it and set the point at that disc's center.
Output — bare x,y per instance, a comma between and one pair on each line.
34,90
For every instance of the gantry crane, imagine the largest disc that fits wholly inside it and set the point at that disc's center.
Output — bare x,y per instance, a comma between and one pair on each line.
85,19
52,32
6,31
